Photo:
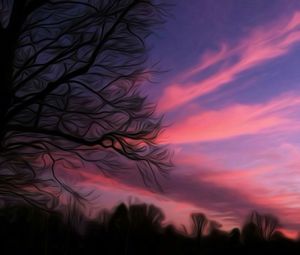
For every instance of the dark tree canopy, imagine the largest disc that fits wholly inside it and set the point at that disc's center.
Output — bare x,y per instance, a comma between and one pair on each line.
260,227
70,72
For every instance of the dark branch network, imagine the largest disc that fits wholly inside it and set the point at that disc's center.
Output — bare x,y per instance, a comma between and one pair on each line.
70,100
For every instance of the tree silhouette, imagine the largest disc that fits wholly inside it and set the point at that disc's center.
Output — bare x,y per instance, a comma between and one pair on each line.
27,230
266,224
260,227
70,72
200,224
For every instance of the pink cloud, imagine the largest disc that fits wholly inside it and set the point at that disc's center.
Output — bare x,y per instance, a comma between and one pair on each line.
208,59
235,120
234,192
177,211
236,195
268,186
261,45
245,183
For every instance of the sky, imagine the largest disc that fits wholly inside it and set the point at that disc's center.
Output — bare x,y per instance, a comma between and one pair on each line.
230,96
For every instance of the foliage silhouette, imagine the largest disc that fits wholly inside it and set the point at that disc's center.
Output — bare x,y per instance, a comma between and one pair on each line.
132,229
70,73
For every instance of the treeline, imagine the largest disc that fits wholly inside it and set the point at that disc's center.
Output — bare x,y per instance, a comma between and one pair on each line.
134,229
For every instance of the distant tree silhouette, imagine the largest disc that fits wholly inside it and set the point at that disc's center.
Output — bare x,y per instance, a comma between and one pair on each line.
70,72
214,226
200,224
235,236
28,230
267,224
146,216
260,227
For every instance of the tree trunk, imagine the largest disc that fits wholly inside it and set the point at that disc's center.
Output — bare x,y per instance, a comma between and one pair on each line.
5,73
8,42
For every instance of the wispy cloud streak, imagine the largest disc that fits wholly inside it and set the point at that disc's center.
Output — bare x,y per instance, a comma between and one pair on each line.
236,120
262,44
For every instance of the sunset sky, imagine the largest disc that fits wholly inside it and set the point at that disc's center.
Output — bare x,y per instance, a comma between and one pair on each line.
231,99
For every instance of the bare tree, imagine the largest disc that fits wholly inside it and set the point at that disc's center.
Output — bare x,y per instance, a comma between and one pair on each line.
200,224
267,224
70,72
145,216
